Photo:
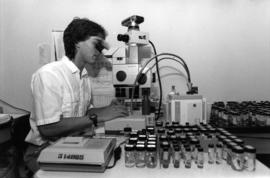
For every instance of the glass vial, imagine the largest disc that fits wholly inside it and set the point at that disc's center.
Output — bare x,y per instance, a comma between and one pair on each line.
200,158
211,154
129,155
187,157
250,158
218,153
225,149
140,156
165,157
127,131
151,156
231,145
237,158
176,157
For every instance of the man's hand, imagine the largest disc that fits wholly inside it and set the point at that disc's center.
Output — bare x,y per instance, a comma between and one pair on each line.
113,111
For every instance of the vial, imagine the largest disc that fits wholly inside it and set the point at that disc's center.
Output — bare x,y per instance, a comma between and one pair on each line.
142,137
133,134
197,146
170,132
193,143
230,152
249,158
129,155
176,157
200,158
187,157
140,156
178,132
211,154
218,153
237,158
133,140
127,131
159,124
225,149
239,142
160,132
165,157
150,130
151,156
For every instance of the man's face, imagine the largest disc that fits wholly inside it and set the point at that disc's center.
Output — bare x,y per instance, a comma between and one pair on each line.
91,49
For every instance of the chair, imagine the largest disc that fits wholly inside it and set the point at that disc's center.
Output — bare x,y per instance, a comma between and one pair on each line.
20,129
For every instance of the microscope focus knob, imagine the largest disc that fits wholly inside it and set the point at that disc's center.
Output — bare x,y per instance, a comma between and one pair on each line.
121,76
124,38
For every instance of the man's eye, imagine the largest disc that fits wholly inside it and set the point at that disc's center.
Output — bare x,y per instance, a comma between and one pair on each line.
99,46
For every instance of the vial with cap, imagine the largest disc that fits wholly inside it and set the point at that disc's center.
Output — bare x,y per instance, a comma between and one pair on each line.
165,157
151,156
140,156
237,158
249,158
211,154
200,158
188,157
218,153
176,157
129,155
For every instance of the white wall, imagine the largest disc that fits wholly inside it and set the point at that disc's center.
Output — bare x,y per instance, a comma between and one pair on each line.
1,46
225,43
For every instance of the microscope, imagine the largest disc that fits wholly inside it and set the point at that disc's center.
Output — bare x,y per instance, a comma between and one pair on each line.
128,60
132,80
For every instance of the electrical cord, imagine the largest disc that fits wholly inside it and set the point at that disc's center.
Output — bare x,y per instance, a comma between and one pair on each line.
157,61
162,60
142,69
116,154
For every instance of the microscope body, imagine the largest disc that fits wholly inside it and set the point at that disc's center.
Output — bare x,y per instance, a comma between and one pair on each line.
129,59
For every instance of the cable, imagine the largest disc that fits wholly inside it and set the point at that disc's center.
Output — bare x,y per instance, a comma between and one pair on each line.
157,61
141,70
159,80
117,154
162,54
162,60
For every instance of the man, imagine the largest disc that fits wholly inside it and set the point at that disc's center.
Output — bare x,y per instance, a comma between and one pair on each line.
62,91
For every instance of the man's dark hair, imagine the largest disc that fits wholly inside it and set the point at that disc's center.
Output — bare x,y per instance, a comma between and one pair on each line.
80,30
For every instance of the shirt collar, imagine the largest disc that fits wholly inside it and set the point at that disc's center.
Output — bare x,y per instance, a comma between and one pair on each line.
73,67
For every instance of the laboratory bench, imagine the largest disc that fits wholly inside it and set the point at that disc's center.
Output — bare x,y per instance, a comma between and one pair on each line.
210,170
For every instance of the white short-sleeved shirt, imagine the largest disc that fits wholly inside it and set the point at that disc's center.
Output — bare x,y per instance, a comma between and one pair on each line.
57,89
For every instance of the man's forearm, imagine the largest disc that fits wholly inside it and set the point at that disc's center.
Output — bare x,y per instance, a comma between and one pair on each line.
64,127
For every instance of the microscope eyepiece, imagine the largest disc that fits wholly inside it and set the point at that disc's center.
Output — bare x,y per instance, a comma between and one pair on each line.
124,38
